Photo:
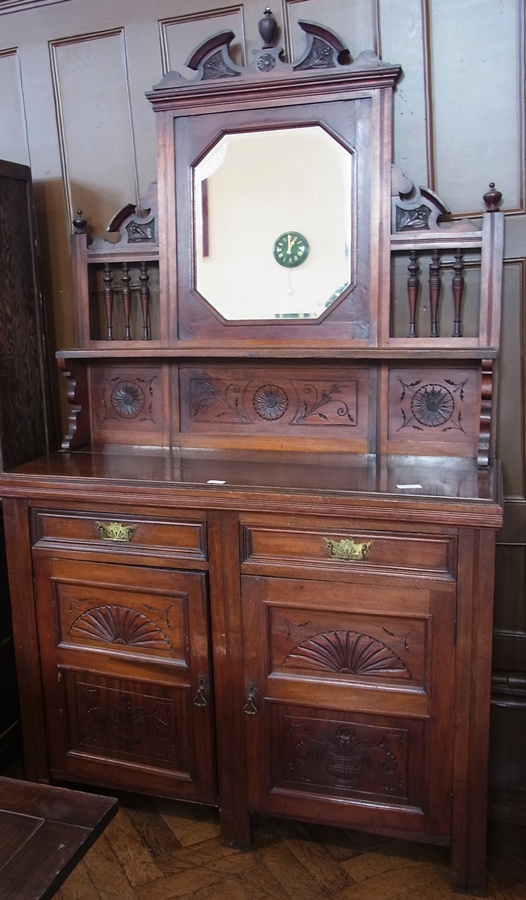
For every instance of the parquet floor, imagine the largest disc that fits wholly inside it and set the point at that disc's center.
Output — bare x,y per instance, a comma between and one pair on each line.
161,849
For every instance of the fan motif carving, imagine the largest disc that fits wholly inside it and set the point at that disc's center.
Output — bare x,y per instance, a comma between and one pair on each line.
119,625
349,653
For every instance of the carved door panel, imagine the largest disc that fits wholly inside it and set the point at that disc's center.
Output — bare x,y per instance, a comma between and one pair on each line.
124,655
349,713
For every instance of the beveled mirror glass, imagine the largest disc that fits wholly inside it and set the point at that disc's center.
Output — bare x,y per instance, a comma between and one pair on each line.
273,223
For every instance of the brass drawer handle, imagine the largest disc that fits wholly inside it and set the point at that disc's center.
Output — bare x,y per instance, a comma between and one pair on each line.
114,531
347,549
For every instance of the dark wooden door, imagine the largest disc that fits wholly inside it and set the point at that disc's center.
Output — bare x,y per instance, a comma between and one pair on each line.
349,713
25,407
24,395
126,676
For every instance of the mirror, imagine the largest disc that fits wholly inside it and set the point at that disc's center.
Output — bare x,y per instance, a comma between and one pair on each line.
263,203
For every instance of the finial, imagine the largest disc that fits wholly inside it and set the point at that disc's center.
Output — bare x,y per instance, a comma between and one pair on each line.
79,223
267,27
492,198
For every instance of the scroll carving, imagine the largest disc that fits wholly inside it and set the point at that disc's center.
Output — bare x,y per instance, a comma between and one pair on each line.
416,209
134,225
316,402
324,50
77,394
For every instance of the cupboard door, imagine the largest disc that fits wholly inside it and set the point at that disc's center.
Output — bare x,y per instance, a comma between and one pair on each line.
349,712
125,668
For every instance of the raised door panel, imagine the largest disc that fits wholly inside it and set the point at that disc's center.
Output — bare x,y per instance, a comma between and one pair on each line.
349,714
125,668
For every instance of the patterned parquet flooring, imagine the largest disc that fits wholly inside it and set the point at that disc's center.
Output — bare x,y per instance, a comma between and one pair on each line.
161,849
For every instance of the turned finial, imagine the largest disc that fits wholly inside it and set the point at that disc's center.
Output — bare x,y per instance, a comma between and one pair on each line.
79,223
492,198
267,27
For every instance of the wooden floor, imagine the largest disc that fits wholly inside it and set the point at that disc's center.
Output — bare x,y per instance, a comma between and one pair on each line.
158,850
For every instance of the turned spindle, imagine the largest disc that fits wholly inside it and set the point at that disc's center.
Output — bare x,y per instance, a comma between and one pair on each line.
108,300
413,288
126,299
458,291
144,278
434,291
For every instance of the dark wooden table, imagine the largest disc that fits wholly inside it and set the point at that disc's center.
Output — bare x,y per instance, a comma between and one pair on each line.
44,832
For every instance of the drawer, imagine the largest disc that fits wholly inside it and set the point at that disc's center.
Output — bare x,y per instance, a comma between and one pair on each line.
345,547
175,536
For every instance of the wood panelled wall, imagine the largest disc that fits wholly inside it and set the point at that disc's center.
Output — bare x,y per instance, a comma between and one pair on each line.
72,81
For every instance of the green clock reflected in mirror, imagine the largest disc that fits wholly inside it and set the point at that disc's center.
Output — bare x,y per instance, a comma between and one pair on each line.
291,249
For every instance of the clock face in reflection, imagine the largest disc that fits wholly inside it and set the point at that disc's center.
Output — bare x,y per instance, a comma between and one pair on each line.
291,249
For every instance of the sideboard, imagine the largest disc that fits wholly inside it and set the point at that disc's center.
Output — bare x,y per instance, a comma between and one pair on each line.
259,573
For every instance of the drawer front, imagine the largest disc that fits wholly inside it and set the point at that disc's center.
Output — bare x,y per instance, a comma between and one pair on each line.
347,547
181,537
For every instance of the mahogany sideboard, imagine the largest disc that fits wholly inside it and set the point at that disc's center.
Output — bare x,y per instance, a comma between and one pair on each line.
259,574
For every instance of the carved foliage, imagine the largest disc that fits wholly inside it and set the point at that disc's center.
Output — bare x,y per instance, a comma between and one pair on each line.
127,725
296,401
347,757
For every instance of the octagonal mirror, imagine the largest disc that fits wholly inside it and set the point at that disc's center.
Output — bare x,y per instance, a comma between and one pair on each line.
273,223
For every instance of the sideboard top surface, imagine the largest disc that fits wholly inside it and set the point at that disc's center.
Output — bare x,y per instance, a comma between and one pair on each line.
444,487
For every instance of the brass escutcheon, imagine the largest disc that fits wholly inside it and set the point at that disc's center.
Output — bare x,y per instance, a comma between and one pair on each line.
347,549
114,531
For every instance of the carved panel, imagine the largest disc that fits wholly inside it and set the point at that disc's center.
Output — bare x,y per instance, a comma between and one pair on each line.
333,754
237,400
137,723
349,647
123,620
127,401
120,626
348,652
434,405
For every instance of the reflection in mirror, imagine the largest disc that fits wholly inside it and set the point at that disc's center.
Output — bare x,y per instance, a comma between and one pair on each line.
273,223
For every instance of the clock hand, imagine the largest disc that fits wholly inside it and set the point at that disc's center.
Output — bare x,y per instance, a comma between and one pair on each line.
290,242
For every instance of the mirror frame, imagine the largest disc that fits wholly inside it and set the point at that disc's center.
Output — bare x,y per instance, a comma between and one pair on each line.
353,102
